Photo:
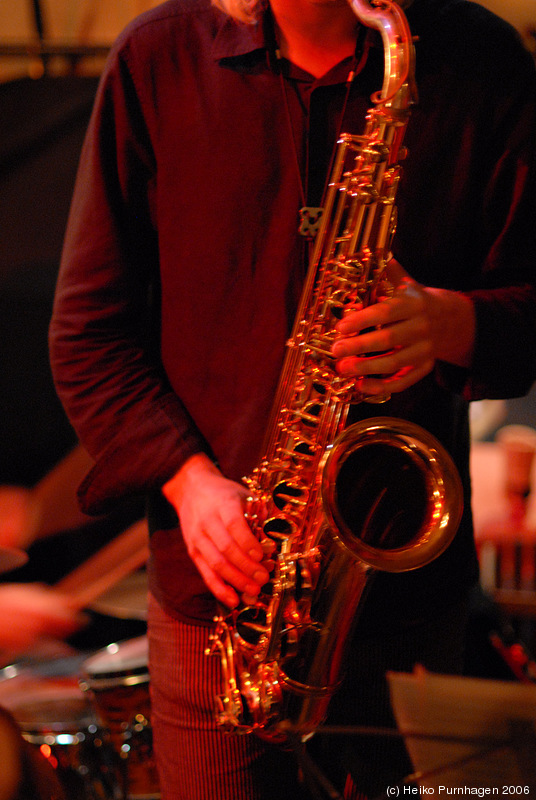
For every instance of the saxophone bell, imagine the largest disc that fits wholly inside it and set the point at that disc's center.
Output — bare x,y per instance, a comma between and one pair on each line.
392,493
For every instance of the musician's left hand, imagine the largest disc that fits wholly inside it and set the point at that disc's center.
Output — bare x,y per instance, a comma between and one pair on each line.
19,516
392,344
31,614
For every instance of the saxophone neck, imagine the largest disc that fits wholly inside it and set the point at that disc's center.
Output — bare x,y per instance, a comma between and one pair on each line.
386,16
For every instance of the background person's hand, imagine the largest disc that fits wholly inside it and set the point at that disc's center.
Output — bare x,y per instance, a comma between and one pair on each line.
32,613
19,516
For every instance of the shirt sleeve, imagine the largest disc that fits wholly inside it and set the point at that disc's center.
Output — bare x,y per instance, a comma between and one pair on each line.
104,327
503,289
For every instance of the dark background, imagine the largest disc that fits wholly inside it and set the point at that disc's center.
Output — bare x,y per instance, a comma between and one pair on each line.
42,131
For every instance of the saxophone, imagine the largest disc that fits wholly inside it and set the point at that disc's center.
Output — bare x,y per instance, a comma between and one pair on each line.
333,505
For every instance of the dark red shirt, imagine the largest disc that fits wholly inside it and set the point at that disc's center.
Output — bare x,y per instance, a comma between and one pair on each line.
182,263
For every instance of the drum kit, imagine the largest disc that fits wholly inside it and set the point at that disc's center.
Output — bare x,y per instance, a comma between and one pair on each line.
78,727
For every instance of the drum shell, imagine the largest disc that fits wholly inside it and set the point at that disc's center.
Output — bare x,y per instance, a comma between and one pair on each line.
59,726
117,680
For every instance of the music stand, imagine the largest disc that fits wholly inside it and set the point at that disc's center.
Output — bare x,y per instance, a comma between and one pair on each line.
466,732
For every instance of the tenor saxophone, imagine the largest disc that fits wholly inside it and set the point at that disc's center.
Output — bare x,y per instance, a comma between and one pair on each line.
334,504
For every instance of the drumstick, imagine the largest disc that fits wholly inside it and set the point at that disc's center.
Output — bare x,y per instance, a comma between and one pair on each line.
126,553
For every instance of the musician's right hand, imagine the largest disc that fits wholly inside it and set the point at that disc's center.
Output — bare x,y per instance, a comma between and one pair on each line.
219,540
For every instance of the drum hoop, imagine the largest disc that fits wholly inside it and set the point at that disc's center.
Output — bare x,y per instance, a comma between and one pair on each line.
55,738
106,681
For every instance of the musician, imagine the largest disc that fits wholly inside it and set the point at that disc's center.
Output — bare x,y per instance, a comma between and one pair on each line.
33,617
179,283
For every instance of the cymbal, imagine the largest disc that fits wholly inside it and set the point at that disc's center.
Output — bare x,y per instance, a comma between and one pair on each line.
126,600
11,558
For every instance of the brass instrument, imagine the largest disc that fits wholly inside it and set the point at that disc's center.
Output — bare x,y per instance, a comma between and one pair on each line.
336,504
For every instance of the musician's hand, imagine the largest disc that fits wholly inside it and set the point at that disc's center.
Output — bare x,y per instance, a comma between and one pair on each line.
32,613
218,538
392,344
19,516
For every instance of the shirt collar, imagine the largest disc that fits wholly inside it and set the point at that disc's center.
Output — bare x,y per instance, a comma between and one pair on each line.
236,40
